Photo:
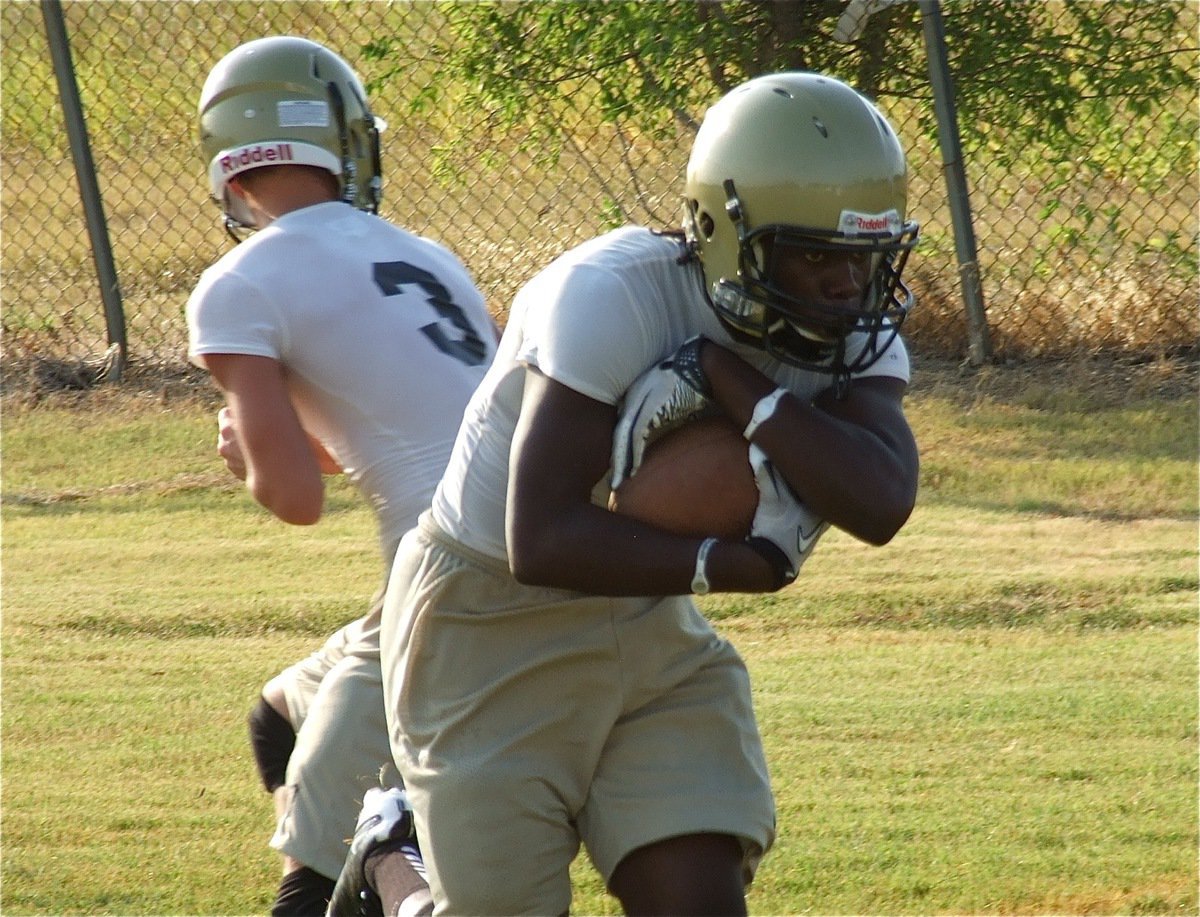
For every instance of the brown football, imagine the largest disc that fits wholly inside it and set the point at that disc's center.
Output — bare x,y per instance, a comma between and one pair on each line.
695,480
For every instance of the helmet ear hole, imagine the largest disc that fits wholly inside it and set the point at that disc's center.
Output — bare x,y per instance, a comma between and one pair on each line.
704,221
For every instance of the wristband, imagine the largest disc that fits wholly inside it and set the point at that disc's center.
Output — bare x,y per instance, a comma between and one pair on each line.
763,411
700,585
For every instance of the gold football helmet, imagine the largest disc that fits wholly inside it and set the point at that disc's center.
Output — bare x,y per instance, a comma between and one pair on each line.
288,100
803,165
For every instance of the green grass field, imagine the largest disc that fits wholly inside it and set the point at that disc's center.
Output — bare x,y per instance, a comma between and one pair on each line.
995,714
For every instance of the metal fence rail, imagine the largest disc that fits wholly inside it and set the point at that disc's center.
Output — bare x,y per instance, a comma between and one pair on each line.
1096,257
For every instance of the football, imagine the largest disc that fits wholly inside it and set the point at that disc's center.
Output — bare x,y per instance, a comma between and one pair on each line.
695,480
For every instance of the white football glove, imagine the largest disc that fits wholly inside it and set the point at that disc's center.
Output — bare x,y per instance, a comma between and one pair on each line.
662,398
781,520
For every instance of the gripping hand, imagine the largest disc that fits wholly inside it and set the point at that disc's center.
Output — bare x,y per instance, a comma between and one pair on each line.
664,397
228,445
784,530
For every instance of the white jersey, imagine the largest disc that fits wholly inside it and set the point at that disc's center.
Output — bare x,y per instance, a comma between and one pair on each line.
594,320
383,333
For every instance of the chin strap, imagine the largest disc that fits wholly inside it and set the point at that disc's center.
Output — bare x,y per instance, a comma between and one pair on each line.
841,373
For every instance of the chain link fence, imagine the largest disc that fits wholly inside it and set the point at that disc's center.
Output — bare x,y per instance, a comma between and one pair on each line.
1095,253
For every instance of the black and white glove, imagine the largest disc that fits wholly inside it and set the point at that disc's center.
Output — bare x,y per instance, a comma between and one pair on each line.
664,397
784,530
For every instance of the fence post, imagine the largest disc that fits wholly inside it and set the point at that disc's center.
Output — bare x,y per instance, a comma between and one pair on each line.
979,345
89,189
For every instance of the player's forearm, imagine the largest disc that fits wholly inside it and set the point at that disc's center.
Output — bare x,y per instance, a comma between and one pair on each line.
852,462
282,472
592,550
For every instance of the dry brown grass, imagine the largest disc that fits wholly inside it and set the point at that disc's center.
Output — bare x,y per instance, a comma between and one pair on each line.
1101,381
1095,382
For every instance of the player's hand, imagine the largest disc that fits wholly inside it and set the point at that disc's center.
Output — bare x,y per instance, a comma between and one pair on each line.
665,396
228,446
782,521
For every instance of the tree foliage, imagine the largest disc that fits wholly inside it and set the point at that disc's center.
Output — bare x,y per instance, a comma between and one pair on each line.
1041,69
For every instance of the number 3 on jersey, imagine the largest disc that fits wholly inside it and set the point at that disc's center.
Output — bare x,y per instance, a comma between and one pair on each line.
391,276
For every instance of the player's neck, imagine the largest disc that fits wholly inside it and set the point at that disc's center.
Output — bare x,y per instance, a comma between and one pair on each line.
275,208
279,195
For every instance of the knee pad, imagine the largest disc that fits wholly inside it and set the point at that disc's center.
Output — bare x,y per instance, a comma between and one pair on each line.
272,738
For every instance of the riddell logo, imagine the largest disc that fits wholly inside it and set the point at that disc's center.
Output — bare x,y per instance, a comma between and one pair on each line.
872,224
255,155
852,224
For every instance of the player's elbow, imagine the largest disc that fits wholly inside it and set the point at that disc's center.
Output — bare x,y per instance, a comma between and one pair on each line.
882,511
878,535
533,559
299,515
295,505
883,522
528,566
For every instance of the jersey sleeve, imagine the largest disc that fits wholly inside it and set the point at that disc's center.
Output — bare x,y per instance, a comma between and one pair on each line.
892,362
227,314
586,329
